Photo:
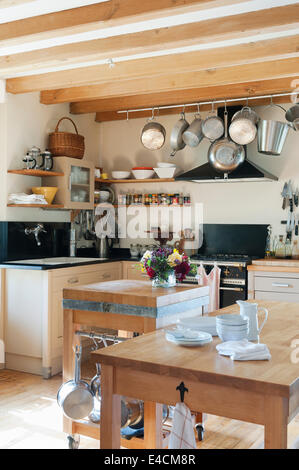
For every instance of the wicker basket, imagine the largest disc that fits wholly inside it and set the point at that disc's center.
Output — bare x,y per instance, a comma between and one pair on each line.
65,143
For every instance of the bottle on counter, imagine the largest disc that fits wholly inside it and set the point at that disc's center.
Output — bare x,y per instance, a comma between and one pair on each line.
295,250
280,249
288,248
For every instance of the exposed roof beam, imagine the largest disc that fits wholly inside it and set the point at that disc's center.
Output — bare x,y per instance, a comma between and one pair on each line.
237,27
109,13
179,81
183,96
114,116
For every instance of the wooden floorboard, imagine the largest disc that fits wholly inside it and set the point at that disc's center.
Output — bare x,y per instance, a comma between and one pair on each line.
31,419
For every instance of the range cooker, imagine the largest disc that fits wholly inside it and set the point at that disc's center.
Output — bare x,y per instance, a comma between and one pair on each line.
231,247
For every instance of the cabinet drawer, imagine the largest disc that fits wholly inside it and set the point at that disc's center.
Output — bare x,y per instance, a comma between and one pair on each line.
274,284
104,273
277,296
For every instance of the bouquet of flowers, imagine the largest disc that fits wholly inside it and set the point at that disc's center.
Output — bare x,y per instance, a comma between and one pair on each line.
164,262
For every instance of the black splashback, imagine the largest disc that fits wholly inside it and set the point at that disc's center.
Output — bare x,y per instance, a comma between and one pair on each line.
234,239
15,244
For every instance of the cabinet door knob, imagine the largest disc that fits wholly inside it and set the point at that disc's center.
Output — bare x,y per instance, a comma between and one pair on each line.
74,280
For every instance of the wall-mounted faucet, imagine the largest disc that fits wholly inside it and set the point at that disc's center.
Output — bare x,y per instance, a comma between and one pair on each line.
36,231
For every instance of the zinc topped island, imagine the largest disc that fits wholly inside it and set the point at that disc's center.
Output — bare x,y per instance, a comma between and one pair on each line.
127,305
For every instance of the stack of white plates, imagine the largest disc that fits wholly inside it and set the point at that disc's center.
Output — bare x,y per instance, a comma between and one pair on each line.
186,337
231,327
200,323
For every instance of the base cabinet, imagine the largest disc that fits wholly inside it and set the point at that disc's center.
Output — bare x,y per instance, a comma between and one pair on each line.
132,271
32,313
276,286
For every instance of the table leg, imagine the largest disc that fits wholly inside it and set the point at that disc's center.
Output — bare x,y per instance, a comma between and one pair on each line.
153,415
276,422
110,411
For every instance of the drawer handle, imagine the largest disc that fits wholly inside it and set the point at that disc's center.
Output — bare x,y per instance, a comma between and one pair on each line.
278,284
74,280
106,276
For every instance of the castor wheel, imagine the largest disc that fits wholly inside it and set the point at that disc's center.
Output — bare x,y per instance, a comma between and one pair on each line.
73,441
200,431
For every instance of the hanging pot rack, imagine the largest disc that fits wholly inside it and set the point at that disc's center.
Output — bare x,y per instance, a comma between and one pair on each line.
224,100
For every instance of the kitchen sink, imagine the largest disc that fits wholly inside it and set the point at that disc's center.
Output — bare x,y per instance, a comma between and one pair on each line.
55,261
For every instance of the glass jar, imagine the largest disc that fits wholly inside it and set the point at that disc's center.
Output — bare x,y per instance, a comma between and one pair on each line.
280,249
169,282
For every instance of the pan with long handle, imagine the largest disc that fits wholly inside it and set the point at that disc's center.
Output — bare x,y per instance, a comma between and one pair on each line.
75,397
225,155
176,137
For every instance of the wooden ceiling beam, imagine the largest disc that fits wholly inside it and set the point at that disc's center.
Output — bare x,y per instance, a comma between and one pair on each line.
232,55
183,96
173,82
219,29
115,116
101,15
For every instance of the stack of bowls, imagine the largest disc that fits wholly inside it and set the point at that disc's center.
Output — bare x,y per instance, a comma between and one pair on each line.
232,327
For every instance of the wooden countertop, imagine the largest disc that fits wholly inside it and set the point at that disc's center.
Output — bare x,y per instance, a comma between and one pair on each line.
275,265
152,353
135,298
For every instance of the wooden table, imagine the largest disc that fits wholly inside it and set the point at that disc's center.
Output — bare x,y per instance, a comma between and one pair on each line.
261,392
130,306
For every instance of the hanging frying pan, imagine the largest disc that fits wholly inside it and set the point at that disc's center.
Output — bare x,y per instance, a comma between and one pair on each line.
224,155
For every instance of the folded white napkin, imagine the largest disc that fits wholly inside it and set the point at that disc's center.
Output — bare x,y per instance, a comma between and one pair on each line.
182,432
244,350
23,198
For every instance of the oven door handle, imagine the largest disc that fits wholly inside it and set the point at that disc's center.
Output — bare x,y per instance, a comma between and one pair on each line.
236,289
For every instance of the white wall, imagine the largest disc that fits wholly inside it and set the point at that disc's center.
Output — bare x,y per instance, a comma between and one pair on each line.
258,202
25,122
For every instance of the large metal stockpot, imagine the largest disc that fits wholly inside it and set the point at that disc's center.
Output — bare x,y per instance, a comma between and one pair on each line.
271,135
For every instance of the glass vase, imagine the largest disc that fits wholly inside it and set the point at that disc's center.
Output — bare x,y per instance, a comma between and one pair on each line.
169,282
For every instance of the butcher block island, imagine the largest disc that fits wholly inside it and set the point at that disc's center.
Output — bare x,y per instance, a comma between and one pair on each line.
131,306
260,392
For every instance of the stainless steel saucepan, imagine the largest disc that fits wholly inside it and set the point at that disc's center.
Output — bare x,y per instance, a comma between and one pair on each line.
225,155
153,134
75,397
193,134
212,126
242,129
176,136
292,115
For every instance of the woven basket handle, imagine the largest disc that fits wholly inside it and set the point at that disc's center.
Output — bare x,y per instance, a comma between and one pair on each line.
56,129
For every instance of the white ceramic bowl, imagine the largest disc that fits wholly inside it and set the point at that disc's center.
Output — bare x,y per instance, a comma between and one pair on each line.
231,336
120,175
165,172
231,319
104,196
165,165
143,174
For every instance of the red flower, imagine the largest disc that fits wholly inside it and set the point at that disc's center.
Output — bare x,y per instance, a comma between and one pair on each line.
182,270
150,272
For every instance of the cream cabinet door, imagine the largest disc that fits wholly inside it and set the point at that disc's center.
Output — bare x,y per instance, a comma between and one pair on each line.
71,277
133,271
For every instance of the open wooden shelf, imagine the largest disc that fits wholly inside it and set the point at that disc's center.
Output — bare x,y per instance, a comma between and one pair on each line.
33,172
150,180
42,206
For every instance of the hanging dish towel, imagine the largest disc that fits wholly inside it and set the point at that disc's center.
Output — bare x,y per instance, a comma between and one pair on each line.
244,350
213,281
182,433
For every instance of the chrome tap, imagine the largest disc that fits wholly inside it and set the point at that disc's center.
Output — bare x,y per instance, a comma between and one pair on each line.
36,231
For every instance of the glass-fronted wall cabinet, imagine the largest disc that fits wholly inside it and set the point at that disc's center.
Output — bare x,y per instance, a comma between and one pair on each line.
76,187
